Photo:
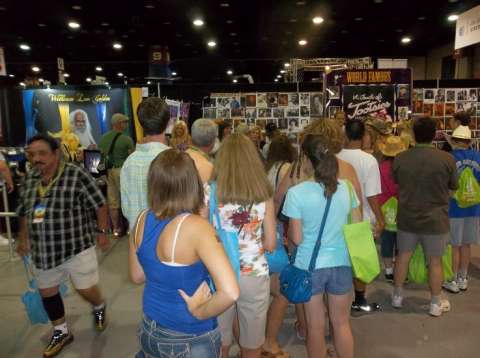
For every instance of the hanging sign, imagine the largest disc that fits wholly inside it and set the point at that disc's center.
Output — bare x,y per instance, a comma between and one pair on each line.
360,101
468,28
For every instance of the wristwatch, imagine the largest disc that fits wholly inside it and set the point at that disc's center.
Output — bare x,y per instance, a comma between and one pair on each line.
102,231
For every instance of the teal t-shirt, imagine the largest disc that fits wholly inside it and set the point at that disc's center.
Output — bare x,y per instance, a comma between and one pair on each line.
307,202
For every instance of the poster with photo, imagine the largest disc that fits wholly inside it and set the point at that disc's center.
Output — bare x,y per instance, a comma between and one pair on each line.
439,95
428,96
472,95
243,101
316,104
333,92
403,92
304,111
262,100
251,113
223,113
250,100
272,100
293,112
210,113
360,101
304,99
271,121
261,123
450,95
418,94
418,107
333,110
428,109
264,112
278,112
283,99
304,122
449,109
293,99
293,125
439,109
209,102
235,102
238,112
223,102
402,113
283,123
462,94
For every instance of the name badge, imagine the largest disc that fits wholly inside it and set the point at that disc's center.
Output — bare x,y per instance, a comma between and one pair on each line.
39,213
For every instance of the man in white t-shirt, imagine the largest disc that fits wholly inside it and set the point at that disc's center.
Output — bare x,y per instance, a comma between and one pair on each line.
368,172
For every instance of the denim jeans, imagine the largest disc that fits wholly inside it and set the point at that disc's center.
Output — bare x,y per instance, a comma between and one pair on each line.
158,342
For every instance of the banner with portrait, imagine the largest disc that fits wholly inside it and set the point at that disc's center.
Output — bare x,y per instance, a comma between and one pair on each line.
78,118
360,101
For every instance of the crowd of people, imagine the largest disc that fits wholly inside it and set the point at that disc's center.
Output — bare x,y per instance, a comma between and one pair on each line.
215,217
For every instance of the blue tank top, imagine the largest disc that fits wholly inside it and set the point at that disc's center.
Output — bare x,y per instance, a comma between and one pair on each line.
161,300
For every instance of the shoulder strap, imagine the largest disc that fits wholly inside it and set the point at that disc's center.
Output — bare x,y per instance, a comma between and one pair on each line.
140,218
177,231
316,249
113,143
278,174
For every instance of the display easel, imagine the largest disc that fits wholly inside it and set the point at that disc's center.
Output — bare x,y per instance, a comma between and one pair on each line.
7,214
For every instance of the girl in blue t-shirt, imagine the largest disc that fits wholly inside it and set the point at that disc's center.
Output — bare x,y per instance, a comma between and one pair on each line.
304,205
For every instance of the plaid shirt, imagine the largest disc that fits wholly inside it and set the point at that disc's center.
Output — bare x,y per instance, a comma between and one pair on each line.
69,223
133,179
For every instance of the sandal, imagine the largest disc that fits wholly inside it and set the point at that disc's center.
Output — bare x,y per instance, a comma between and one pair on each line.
278,354
299,336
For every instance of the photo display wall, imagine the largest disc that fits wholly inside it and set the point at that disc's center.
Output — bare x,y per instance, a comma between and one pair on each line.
291,112
383,94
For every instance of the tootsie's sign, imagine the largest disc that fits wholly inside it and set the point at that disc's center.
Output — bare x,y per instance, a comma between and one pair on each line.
369,100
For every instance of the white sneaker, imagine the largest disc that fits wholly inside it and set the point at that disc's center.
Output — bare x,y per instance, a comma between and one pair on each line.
462,283
451,286
436,310
397,301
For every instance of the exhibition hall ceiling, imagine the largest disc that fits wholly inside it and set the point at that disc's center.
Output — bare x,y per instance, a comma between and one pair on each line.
251,36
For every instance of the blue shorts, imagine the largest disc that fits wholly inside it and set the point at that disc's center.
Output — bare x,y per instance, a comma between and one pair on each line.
332,280
156,341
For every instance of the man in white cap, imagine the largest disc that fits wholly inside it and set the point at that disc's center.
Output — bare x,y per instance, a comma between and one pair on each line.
116,146
464,222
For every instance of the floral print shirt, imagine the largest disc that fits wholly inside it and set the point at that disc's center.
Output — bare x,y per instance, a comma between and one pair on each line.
252,258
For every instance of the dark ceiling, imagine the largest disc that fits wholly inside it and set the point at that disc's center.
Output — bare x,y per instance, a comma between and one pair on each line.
253,36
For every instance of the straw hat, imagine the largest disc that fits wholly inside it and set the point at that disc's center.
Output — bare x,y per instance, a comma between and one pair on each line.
392,146
381,126
462,132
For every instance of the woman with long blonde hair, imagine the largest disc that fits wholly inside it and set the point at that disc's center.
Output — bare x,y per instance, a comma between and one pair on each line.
180,138
245,207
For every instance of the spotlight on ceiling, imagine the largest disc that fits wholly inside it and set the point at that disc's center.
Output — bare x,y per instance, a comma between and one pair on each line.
22,84
120,74
229,72
279,76
286,64
198,22
452,18
98,69
406,40
11,75
66,75
211,43
73,25
149,82
302,42
117,46
282,71
174,73
24,47
88,79
235,80
317,20
327,68
35,69
276,79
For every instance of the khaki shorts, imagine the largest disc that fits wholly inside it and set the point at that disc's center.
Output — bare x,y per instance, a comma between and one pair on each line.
464,231
433,245
82,270
113,188
251,309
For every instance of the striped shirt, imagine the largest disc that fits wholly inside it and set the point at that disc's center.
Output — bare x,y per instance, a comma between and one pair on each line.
133,179
68,227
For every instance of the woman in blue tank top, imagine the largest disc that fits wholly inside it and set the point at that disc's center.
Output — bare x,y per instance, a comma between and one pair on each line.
175,252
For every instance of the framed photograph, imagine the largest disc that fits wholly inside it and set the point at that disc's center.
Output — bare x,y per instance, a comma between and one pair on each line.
440,95
428,96
209,102
223,102
282,123
272,100
304,99
333,92
293,99
449,109
428,109
264,112
472,95
238,112
250,113
262,100
418,107
462,94
402,113
304,122
333,110
316,104
403,92
293,112
223,113
210,113
439,109
293,125
450,95
418,94
251,100
278,112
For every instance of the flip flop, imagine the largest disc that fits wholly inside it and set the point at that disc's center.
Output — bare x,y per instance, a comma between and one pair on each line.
278,354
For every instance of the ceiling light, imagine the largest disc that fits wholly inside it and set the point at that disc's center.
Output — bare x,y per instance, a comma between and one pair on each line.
327,68
286,64
359,18
211,43
302,42
301,3
73,25
107,83
198,22
276,79
88,79
35,69
174,73
224,4
3,8
24,47
233,34
229,22
317,20
149,82
120,74
235,80
11,75
406,40
149,6
42,25
105,24
452,18
76,7
421,18
117,46
377,1
41,80
22,84
229,72
282,71
98,69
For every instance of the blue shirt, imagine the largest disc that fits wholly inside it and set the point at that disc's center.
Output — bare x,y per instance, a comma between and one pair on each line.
133,179
465,158
307,202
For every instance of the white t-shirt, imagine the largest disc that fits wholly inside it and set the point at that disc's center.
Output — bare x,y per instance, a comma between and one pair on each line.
368,172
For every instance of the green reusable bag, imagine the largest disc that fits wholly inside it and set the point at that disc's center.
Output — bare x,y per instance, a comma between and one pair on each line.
418,269
389,210
361,248
468,193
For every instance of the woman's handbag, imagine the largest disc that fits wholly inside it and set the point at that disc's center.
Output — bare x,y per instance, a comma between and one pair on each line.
278,259
296,283
361,247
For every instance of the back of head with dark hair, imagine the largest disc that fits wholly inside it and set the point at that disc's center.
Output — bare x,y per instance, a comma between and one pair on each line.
424,129
354,129
462,117
153,115
280,150
53,143
324,163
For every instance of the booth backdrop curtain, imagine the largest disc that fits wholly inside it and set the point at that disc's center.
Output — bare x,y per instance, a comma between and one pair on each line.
136,97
